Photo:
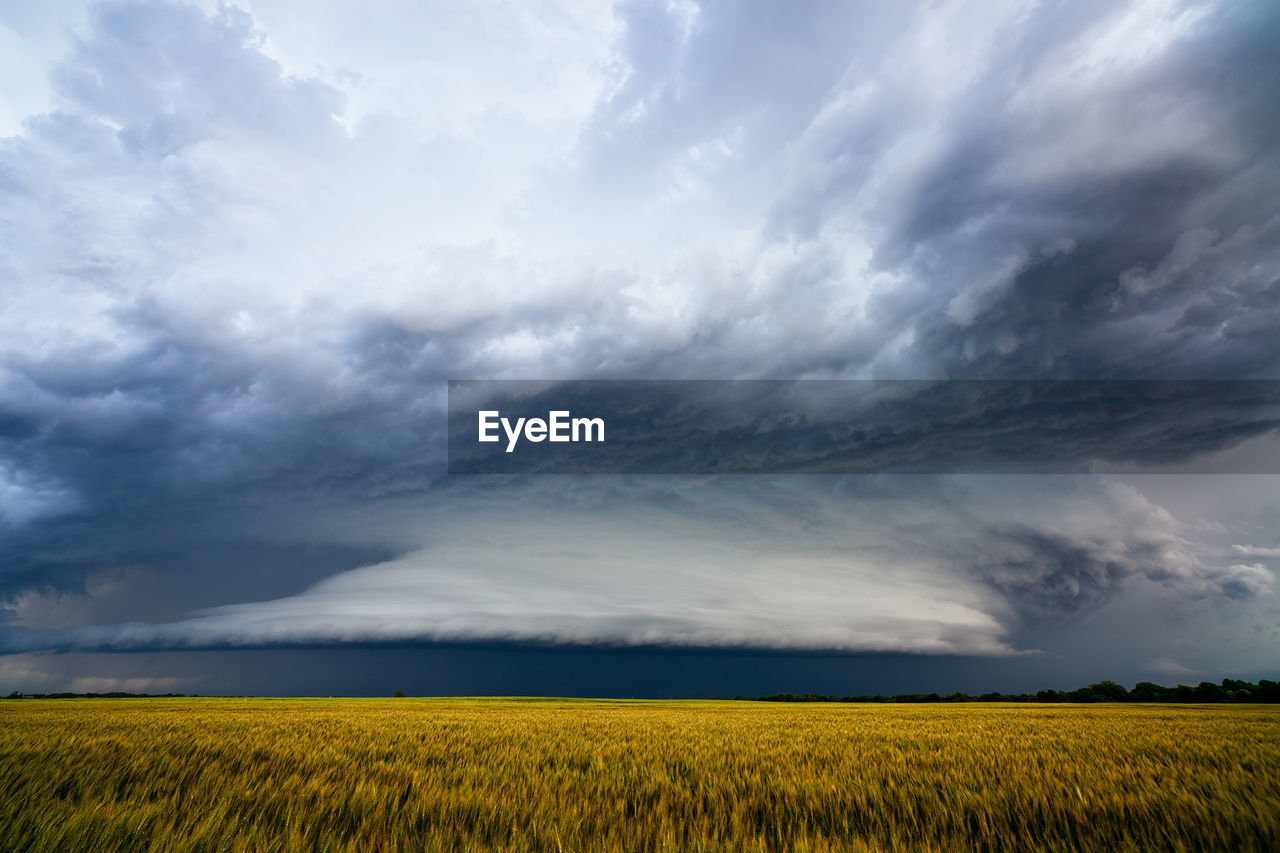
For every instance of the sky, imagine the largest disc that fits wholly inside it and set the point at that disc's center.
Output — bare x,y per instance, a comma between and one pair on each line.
245,246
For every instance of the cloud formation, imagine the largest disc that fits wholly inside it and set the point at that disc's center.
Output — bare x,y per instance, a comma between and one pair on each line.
240,258
807,563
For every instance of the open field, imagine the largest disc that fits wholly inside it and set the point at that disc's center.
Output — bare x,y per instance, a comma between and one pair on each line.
418,774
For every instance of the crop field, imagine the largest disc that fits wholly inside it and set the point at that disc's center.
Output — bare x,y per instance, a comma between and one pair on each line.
561,775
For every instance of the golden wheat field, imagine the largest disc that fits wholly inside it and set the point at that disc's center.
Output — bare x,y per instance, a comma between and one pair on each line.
553,775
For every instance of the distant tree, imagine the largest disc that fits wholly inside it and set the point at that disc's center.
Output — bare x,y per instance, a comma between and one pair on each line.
1147,691
1109,690
399,694
1207,691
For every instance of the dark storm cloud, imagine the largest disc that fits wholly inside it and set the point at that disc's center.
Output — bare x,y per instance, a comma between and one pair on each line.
1051,576
229,313
1124,225
185,466
169,454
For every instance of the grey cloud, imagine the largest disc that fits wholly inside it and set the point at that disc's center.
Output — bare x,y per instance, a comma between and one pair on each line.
167,76
1048,575
1070,223
1246,581
1190,219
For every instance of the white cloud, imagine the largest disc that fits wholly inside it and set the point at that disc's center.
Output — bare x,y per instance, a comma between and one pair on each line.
622,590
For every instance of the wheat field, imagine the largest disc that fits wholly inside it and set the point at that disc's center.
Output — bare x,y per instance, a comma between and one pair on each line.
559,775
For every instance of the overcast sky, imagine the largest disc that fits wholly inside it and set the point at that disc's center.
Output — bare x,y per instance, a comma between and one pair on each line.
243,247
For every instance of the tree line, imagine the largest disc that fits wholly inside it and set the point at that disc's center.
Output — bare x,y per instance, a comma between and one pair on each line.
1229,690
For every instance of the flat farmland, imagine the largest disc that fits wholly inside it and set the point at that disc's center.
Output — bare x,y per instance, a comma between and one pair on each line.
598,775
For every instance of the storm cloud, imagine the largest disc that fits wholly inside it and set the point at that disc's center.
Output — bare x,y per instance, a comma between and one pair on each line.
240,259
